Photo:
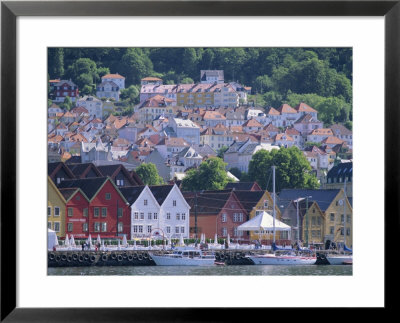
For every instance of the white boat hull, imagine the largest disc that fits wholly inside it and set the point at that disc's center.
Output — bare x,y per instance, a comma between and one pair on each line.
282,260
181,261
339,260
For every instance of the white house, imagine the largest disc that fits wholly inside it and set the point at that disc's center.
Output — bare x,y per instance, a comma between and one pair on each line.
108,89
93,105
186,129
174,212
145,210
119,80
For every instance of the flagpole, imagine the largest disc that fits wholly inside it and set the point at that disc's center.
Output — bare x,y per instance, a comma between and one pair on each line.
273,172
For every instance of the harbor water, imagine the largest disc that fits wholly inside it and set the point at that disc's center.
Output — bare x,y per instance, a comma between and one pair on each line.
268,270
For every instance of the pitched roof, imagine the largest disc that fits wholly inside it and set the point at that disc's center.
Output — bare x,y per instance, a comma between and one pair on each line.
249,199
341,170
323,197
89,186
252,123
208,202
243,186
131,193
160,192
339,129
80,170
322,132
286,108
332,140
303,107
112,76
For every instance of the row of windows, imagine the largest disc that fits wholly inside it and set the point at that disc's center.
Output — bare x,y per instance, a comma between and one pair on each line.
237,217
331,231
97,226
348,218
140,228
96,211
150,216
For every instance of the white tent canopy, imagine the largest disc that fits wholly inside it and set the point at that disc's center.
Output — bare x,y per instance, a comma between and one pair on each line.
263,221
51,239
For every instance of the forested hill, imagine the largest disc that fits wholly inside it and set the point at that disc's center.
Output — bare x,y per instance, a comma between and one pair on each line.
321,77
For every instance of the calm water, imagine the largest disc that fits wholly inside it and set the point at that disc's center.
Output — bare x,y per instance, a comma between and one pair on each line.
322,270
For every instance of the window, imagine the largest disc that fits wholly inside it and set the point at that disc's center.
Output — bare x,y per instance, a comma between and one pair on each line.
176,229
136,215
70,211
96,212
70,227
223,219
313,220
85,212
347,231
178,216
145,202
48,225
330,230
140,227
155,216
49,211
121,227
168,229
348,218
332,217
141,215
57,226
97,227
149,216
341,231
103,212
319,220
135,229
224,231
120,212
104,227
85,227
342,218
168,216
240,217
235,217
149,229
174,203
56,211
108,196
182,229
183,216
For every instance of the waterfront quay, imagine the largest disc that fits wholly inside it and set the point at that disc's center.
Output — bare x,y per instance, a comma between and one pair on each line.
143,258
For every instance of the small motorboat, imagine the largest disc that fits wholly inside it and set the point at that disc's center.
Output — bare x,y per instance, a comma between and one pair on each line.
184,257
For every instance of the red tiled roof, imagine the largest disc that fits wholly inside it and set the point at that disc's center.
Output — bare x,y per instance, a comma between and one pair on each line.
112,76
302,107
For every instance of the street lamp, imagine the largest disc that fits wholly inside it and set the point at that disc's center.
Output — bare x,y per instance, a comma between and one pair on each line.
297,217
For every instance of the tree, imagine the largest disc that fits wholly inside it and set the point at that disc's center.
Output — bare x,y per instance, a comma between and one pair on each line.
130,94
136,65
211,175
56,62
67,104
148,174
292,169
221,151
83,72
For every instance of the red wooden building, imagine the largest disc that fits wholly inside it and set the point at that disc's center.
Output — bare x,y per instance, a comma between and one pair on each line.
217,213
91,208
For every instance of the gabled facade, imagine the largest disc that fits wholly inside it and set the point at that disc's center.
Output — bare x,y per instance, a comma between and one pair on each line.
55,209
108,210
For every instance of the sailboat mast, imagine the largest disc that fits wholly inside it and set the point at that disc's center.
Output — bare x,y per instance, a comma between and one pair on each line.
344,214
274,211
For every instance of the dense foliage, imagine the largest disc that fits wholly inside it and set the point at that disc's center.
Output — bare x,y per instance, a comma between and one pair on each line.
211,175
292,169
321,77
148,174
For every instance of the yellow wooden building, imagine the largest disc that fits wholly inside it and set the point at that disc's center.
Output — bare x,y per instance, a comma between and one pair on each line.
56,206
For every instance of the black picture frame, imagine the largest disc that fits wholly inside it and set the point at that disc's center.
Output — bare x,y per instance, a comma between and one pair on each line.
10,10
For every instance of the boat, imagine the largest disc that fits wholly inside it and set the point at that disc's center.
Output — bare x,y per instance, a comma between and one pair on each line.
339,259
284,259
282,256
184,257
